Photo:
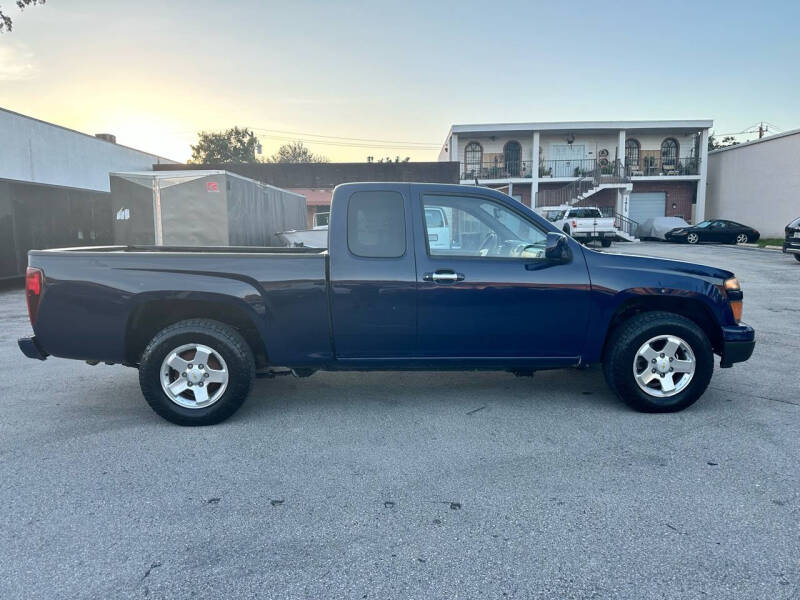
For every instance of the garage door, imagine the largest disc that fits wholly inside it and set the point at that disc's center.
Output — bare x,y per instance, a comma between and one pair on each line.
647,205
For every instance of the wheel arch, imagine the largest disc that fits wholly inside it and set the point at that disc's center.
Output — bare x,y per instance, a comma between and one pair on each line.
690,308
150,317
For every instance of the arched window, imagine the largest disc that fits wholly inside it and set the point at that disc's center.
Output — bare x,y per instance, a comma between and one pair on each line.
632,148
512,156
473,157
669,153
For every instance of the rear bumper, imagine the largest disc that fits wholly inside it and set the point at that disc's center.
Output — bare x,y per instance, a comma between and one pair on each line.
738,343
31,349
594,235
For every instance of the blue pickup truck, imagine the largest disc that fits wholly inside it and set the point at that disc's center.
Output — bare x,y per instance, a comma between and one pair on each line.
498,288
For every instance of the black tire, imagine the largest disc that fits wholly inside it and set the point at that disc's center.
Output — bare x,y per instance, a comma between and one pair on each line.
566,229
224,340
797,257
696,239
624,343
606,243
744,240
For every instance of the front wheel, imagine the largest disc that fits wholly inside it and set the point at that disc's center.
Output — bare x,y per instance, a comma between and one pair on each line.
606,243
693,238
658,362
741,238
797,257
196,372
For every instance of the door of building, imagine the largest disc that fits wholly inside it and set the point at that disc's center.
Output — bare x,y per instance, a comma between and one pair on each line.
568,158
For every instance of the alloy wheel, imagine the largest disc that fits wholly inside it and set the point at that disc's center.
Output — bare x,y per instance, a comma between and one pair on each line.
741,238
194,376
664,366
692,238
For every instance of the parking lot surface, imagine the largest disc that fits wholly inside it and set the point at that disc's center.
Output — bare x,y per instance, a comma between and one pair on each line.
411,485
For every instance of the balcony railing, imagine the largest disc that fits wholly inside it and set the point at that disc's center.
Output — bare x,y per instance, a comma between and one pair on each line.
496,169
657,166
647,166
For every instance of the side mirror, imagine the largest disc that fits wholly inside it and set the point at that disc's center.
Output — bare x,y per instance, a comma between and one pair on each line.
556,247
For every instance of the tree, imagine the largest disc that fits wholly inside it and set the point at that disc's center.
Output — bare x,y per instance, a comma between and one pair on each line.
728,140
296,152
5,20
232,146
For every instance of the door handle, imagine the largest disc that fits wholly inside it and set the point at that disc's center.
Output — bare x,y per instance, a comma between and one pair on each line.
443,276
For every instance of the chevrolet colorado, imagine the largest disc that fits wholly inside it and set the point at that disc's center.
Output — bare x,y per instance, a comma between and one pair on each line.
508,291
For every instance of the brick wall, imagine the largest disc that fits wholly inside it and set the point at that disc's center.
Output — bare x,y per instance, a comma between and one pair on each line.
606,198
679,193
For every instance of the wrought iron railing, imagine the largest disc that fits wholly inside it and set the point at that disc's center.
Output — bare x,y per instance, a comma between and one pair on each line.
657,166
498,169
646,166
623,223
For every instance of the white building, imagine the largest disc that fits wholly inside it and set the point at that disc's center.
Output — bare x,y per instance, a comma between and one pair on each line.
54,187
635,169
756,183
35,151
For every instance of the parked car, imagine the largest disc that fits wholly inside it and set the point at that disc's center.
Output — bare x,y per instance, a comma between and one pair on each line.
791,245
437,227
658,227
201,323
586,224
719,230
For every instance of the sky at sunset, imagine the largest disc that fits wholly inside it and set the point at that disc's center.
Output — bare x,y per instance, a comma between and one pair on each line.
395,75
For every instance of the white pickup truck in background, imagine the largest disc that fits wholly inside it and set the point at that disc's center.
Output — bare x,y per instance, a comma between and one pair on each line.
585,224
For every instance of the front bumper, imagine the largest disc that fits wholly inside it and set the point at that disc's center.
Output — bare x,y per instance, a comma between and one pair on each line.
738,343
791,246
30,348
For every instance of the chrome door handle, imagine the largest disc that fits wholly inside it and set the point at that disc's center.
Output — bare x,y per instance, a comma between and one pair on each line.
443,277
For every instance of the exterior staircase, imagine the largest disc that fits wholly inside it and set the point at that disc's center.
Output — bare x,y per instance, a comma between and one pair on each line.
610,175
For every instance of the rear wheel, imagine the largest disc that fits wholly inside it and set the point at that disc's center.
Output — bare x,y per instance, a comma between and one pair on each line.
658,362
693,238
196,372
797,257
606,243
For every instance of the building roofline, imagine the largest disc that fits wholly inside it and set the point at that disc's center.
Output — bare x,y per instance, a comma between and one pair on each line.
550,126
769,138
88,135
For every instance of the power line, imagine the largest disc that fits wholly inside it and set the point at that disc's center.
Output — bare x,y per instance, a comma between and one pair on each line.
339,138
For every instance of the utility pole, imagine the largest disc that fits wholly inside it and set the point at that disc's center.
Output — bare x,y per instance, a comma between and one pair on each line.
762,130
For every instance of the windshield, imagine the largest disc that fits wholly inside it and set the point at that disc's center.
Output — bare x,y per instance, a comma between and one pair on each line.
703,224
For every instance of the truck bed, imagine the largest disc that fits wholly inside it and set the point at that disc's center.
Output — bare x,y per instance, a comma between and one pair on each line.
97,299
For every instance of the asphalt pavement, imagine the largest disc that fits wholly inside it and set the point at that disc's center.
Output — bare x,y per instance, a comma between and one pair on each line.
411,485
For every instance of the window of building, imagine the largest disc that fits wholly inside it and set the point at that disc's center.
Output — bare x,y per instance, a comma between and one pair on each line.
512,155
376,224
669,152
632,149
473,157
472,226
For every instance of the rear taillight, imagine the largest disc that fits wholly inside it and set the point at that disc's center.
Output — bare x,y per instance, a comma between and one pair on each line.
574,223
34,282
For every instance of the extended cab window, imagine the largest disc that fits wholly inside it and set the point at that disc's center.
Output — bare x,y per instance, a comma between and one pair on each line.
376,224
479,227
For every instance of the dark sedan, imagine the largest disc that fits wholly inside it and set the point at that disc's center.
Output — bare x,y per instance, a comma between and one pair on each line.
719,230
791,245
